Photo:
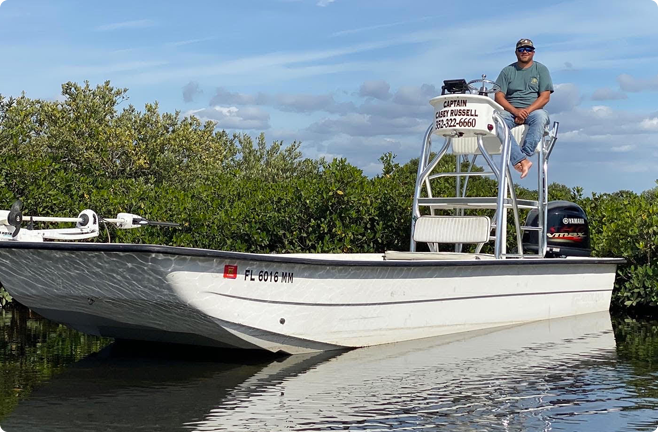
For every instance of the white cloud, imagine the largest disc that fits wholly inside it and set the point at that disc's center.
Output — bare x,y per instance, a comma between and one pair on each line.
373,168
591,52
382,46
299,103
631,84
377,119
650,124
392,110
189,42
2,1
223,96
304,103
364,125
623,148
602,111
414,95
324,3
604,94
363,152
565,98
601,130
285,135
406,112
376,89
250,118
190,91
126,25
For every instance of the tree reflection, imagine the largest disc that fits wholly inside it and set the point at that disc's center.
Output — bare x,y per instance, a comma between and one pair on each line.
637,347
33,350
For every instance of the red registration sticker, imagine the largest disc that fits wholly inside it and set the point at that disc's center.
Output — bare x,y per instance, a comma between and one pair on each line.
230,271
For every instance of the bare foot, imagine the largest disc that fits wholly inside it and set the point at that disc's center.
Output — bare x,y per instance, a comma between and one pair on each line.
525,167
518,167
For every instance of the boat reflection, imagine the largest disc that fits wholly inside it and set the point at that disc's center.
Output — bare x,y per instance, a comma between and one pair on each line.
116,390
525,376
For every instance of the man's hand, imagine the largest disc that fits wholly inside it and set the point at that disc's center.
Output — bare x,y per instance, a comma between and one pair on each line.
523,113
519,120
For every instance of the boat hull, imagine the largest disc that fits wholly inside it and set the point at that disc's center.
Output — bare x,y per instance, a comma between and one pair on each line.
295,303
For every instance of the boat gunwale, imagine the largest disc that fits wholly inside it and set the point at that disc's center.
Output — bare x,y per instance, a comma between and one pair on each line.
282,258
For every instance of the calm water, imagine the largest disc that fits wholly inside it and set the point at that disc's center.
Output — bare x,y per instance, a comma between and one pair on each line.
582,374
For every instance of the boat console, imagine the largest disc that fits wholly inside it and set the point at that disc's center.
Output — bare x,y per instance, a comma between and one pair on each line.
469,122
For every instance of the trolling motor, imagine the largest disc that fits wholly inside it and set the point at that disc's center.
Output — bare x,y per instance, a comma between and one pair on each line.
86,225
12,218
129,221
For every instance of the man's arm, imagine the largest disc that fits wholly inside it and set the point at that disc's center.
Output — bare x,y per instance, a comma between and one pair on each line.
500,96
502,101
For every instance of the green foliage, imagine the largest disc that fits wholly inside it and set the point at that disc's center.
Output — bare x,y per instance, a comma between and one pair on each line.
5,298
228,192
626,224
88,136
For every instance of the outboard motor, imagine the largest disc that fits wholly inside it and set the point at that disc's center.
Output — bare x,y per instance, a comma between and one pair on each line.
567,231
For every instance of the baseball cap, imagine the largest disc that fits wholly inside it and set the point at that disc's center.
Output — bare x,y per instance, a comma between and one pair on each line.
524,43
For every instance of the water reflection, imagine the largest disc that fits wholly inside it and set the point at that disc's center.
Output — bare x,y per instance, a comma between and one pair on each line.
520,378
33,350
115,393
566,374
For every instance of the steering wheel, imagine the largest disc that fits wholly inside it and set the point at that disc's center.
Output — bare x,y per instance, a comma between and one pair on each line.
486,87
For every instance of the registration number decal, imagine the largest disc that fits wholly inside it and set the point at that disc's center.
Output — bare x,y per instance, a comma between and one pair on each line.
252,275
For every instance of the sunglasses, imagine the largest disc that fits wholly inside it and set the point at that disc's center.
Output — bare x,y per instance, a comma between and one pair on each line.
525,49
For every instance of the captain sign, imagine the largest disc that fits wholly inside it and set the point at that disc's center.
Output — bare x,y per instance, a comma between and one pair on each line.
454,103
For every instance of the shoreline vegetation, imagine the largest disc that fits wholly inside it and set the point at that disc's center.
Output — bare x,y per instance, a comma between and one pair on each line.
91,149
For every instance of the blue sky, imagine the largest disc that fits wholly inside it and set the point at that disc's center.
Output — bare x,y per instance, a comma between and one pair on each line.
352,78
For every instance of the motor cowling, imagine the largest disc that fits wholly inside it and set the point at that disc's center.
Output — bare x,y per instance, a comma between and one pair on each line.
567,231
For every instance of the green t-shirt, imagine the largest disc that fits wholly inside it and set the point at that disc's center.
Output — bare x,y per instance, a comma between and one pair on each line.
521,87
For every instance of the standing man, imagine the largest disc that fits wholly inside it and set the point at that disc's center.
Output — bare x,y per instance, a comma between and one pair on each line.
526,88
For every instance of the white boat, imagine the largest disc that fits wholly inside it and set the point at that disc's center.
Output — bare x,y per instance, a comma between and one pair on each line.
298,303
